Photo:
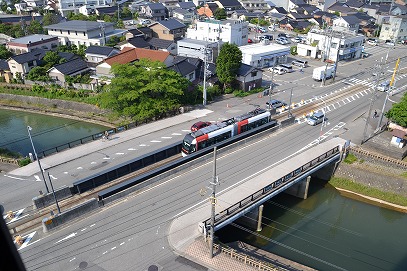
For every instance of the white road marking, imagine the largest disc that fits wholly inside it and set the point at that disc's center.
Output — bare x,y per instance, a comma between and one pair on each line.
113,248
12,177
176,134
104,252
166,137
143,145
17,215
72,259
122,243
119,153
92,225
66,238
106,158
83,229
92,163
132,149
186,130
155,141
79,168
65,172
37,178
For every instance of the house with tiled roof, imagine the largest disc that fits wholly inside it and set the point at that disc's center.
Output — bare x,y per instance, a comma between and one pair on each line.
184,68
136,42
326,16
96,54
163,45
244,15
346,23
5,71
170,29
154,11
342,9
278,9
23,63
208,9
129,55
107,10
186,5
74,67
230,5
249,77
255,5
185,16
299,16
134,32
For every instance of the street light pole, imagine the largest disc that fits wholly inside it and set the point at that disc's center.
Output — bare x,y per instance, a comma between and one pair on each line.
204,79
213,202
323,121
36,157
289,106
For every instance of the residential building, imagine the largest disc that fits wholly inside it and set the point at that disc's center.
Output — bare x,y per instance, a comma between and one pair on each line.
84,32
342,9
230,5
196,49
185,16
71,68
332,46
169,29
231,31
96,54
154,11
133,33
5,71
32,42
163,45
249,77
110,11
182,66
129,55
323,5
254,5
17,19
262,55
395,28
23,63
208,9
346,23
66,6
136,42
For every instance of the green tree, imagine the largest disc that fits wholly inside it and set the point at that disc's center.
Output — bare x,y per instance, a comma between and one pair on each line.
4,53
227,64
143,89
35,27
120,24
398,112
38,74
293,50
51,58
220,14
125,13
49,18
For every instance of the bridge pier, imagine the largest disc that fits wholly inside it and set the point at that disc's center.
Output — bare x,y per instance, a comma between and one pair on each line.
252,219
300,189
326,172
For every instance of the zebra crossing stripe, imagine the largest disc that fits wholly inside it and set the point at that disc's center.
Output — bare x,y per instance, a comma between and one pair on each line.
27,239
16,216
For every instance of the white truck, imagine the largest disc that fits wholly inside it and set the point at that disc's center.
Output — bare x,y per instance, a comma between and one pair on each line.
318,73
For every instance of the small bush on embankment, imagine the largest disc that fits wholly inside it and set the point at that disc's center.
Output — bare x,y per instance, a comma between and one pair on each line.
350,159
368,191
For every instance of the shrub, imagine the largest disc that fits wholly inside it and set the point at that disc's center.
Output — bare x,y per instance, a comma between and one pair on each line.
23,162
350,158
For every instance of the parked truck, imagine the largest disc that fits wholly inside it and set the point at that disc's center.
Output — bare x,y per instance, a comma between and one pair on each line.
318,73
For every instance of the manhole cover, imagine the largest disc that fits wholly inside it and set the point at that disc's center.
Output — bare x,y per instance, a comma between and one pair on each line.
152,268
83,265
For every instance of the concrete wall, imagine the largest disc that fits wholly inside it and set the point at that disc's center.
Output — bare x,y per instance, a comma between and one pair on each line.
50,223
300,189
48,199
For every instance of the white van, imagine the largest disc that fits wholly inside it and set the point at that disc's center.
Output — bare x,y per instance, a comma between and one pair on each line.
278,70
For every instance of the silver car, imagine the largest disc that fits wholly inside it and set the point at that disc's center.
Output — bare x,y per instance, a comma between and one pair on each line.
316,118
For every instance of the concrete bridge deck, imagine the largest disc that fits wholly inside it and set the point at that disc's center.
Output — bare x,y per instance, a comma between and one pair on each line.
184,229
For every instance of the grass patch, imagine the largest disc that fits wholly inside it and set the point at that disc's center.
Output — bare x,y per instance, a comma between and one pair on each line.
368,191
9,154
350,159
241,93
404,174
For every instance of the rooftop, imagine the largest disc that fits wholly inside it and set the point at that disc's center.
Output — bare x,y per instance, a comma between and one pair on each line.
260,48
77,25
32,38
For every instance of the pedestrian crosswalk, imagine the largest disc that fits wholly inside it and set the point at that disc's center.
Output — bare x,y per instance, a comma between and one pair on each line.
13,216
369,83
25,240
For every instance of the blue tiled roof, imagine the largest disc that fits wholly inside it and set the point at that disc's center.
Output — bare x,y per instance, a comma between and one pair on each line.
37,54
99,50
172,24
72,66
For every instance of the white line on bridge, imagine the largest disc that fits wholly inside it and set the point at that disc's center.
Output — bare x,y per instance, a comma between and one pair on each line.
66,238
12,177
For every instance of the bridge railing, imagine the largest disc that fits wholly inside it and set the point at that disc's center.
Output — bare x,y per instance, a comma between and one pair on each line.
272,187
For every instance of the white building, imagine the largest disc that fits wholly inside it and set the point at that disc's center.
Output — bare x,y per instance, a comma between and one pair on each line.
32,42
84,32
342,44
65,6
231,31
395,28
264,55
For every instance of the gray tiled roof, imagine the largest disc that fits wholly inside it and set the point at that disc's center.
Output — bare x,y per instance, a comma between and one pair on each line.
107,10
68,56
76,25
32,38
230,3
157,43
183,67
37,54
156,6
186,5
351,19
139,42
4,65
17,19
172,24
99,50
72,66
244,69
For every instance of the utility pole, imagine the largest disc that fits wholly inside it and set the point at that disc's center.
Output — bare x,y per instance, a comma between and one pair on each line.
204,79
289,106
327,54
372,101
53,192
337,60
387,95
213,202
36,157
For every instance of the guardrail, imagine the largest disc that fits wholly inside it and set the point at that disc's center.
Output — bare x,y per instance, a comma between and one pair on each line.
235,208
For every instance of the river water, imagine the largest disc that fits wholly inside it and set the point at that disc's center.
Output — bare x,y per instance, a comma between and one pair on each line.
329,232
47,131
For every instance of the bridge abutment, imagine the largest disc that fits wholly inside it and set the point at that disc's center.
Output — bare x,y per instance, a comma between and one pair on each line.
252,219
300,189
326,172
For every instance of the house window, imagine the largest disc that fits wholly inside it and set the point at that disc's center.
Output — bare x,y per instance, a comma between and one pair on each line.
254,73
69,32
84,34
60,31
76,33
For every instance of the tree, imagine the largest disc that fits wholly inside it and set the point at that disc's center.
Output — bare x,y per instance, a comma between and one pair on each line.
51,58
227,64
49,18
35,27
143,89
398,112
220,14
38,74
293,50
4,53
